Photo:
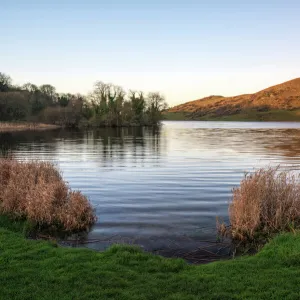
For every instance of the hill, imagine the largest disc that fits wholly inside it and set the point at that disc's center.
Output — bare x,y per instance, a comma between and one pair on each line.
280,102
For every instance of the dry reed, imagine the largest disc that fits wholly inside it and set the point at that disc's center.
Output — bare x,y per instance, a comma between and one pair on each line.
20,126
35,191
267,202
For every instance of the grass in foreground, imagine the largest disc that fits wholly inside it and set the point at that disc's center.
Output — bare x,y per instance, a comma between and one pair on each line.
41,270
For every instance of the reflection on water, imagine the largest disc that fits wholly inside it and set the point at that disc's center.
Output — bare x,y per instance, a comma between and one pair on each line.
160,186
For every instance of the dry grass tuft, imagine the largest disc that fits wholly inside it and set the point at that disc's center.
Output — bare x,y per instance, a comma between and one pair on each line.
36,191
267,202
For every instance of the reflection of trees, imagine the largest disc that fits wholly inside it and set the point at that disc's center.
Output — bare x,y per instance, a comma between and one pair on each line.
117,145
5,146
106,145
134,144
25,140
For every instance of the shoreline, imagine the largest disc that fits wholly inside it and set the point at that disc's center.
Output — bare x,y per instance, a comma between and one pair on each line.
246,116
11,127
202,252
124,271
17,127
232,121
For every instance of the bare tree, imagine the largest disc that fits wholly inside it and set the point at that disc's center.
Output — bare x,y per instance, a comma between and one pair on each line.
30,87
157,101
156,104
49,91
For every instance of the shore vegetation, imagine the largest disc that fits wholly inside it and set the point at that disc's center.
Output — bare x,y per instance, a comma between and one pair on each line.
35,192
107,105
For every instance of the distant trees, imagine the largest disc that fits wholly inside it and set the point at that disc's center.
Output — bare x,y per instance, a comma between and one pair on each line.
64,99
29,87
113,107
106,105
13,106
5,82
156,104
107,101
138,104
49,92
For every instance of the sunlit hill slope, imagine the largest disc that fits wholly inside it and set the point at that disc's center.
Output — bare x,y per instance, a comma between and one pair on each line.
280,102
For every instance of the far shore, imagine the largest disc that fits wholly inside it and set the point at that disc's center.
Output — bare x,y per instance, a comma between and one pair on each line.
11,126
247,116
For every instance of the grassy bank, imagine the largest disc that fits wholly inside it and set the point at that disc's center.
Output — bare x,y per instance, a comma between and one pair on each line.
41,270
175,116
250,115
35,269
22,126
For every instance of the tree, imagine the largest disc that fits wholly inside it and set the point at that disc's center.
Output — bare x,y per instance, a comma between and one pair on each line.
107,105
119,102
5,82
31,88
107,101
115,98
138,104
64,99
99,97
157,101
127,113
13,106
156,104
49,92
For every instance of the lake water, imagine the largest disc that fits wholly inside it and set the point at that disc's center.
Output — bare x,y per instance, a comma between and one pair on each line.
163,188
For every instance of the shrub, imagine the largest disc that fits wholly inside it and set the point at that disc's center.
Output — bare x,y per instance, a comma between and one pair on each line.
35,191
267,202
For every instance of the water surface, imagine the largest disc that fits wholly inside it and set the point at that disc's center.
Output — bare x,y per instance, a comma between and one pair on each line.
163,188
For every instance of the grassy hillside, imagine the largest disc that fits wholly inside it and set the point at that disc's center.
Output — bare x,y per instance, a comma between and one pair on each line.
276,103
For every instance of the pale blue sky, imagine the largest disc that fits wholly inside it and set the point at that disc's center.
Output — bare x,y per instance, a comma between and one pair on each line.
185,49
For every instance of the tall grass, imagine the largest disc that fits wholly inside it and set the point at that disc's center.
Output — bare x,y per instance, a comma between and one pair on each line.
35,191
265,203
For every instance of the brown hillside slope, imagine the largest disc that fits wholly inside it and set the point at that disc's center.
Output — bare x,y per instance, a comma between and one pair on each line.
285,96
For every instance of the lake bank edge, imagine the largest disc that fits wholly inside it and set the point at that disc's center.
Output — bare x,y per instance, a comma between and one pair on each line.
26,126
251,116
129,272
30,126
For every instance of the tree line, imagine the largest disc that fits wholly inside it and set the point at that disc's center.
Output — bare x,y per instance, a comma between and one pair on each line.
106,105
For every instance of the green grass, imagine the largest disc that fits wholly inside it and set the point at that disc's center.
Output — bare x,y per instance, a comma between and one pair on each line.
175,116
42,270
249,115
273,115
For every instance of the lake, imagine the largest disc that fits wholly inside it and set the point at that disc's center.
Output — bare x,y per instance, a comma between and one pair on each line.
160,188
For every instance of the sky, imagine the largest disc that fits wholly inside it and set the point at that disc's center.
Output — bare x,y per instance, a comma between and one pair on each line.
184,49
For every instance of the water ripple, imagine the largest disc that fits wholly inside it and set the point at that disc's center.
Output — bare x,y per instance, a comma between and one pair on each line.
165,183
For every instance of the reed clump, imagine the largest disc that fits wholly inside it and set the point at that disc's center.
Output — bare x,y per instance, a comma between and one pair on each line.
266,202
35,191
